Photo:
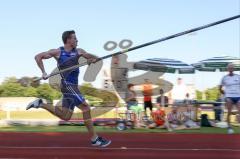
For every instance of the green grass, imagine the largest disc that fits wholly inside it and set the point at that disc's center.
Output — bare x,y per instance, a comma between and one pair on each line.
203,130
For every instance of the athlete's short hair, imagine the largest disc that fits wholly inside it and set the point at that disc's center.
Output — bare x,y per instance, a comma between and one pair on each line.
66,35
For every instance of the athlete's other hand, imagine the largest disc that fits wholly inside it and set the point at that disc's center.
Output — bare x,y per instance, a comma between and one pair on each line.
91,60
44,76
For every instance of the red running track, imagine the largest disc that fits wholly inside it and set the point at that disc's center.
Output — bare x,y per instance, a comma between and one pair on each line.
124,146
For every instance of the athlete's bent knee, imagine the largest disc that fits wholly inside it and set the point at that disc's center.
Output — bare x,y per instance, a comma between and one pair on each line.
66,118
85,108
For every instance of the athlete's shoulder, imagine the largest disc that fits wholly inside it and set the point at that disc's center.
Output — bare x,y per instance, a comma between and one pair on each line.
48,54
54,51
81,51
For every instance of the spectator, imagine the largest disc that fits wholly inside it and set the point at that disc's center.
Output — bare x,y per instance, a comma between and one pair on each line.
162,100
147,93
179,92
175,119
187,101
159,119
218,109
231,91
132,103
189,116
131,97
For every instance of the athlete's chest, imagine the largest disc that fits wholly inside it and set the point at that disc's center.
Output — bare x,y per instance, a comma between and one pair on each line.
68,54
68,57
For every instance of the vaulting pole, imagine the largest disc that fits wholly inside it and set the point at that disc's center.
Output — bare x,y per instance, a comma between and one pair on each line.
147,44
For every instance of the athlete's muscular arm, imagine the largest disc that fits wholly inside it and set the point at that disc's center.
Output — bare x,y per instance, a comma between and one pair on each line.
46,55
91,58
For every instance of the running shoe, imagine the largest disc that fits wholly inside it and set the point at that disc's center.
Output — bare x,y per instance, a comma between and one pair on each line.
35,104
101,142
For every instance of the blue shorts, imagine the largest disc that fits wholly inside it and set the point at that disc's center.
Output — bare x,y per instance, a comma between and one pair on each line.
71,95
234,100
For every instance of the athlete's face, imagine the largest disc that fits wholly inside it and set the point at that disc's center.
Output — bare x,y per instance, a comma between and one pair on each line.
73,41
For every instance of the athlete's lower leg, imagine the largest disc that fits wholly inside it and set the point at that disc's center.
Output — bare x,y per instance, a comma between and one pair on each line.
88,119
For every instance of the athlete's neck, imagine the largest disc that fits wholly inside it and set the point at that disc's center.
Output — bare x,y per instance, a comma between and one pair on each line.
68,48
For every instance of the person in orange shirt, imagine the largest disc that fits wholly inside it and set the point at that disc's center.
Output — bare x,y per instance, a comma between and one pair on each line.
147,93
159,119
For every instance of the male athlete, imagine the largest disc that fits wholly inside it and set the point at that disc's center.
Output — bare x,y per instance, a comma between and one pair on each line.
66,57
231,85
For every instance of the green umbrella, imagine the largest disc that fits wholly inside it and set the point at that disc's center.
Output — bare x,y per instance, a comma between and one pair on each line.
164,65
217,63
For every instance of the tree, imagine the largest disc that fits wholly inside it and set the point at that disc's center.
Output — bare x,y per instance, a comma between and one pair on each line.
29,81
46,92
11,90
25,81
199,95
12,87
10,80
212,93
30,92
35,83
85,84
1,90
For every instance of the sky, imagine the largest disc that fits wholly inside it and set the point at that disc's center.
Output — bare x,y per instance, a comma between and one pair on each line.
30,27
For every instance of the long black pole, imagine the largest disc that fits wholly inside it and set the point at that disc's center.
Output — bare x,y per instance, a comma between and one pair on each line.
172,36
149,43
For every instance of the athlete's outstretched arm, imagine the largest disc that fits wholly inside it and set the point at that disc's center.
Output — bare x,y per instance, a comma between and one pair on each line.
90,57
46,55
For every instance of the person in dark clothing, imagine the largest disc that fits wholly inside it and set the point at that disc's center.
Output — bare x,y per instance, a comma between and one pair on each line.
217,109
162,100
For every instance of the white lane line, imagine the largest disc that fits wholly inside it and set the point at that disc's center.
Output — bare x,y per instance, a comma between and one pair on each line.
120,148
